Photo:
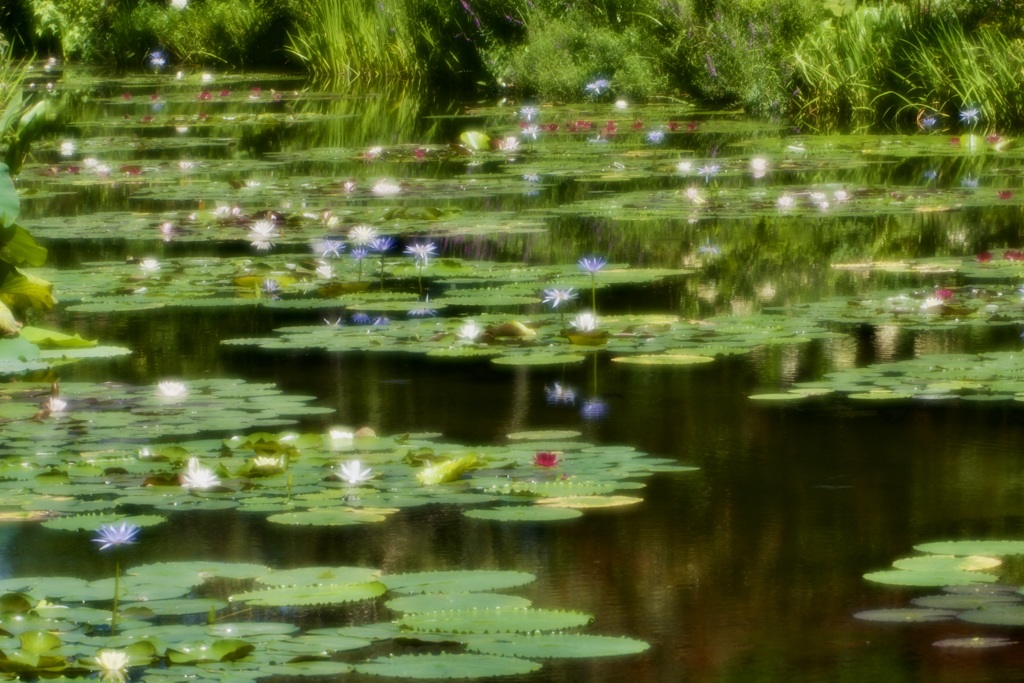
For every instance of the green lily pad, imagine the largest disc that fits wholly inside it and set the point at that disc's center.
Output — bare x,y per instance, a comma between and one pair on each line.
443,666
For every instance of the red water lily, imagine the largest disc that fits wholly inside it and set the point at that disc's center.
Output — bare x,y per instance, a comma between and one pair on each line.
1013,255
673,125
205,95
984,257
638,124
954,141
1005,194
546,459
126,95
944,294
691,125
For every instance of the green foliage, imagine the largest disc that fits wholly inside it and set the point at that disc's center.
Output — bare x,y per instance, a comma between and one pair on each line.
740,52
562,54
123,32
894,63
345,40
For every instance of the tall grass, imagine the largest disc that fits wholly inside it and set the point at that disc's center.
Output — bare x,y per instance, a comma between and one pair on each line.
885,65
350,40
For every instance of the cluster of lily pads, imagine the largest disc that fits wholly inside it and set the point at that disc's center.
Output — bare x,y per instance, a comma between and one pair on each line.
196,621
974,585
98,458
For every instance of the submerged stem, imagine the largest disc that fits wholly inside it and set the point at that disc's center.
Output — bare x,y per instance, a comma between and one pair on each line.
117,590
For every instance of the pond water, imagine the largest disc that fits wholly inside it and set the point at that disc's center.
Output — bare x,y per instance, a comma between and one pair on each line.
830,256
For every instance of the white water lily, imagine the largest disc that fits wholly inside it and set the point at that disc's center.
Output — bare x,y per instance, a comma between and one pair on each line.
113,664
268,461
325,271
362,234
223,212
349,186
385,188
197,476
262,233
508,144
758,167
340,435
167,231
469,331
785,202
684,166
584,322
172,389
694,196
149,265
931,302
55,405
353,473
67,148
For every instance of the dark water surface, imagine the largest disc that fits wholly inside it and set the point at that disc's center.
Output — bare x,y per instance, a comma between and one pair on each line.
747,570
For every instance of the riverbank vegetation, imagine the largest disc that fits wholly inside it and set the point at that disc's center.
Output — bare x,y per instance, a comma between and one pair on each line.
833,64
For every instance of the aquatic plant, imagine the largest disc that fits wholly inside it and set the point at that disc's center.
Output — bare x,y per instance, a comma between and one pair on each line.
114,536
592,265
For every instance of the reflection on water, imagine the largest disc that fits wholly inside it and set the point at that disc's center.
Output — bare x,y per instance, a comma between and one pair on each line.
748,570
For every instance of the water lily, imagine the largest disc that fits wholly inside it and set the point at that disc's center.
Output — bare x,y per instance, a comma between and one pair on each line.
167,231
593,409
67,148
268,462
556,296
325,271
149,265
530,132
531,177
362,234
196,476
785,202
114,535
684,166
758,167
528,113
422,252
172,389
262,233
584,322
225,213
932,302
707,171
656,137
385,188
508,144
352,472
270,288
693,194
113,665
469,331
597,87
329,248
349,186
359,253
546,459
55,405
621,104
156,60
179,5
969,115
709,249
591,265
373,153
556,394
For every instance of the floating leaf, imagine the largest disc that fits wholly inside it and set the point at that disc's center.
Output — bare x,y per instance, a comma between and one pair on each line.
446,666
455,581
552,645
515,620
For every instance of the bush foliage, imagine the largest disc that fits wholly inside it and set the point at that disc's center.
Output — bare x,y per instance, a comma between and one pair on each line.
826,62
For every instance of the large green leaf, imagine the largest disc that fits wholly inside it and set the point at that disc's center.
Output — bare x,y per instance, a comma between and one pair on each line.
9,203
443,666
18,247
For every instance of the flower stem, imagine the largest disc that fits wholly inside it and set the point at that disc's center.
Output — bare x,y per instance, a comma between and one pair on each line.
117,590
593,292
